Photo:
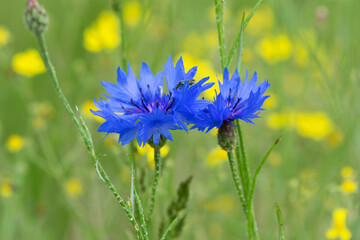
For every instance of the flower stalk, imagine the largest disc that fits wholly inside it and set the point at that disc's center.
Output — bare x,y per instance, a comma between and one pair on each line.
157,158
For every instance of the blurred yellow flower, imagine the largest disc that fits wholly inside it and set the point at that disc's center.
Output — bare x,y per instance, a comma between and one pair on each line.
222,203
4,36
314,125
281,120
41,112
335,138
347,172
195,44
103,34
271,102
216,157
275,159
275,49
348,186
261,22
85,111
132,13
74,187
149,152
28,63
6,188
339,229
15,143
205,69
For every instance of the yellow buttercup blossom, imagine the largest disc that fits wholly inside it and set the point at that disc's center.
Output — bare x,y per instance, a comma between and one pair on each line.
15,143
28,63
347,172
4,36
339,229
6,188
103,34
315,125
149,152
74,187
275,49
348,186
262,21
132,13
216,157
85,111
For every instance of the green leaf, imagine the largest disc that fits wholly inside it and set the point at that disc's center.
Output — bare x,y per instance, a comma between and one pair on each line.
281,222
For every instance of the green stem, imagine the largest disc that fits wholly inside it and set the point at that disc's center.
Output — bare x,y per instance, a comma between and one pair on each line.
281,222
244,162
157,159
142,217
236,181
219,13
84,132
241,43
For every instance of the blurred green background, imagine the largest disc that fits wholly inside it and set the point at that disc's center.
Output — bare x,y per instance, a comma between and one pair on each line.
308,50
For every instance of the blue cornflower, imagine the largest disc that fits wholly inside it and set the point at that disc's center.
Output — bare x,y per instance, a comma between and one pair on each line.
236,100
139,108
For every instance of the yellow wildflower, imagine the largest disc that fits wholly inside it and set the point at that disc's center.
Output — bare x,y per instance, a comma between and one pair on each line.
6,188
85,111
270,102
103,34
28,63
315,125
348,186
339,229
335,138
216,157
262,21
149,152
132,13
15,143
281,120
4,36
347,172
74,187
205,69
222,203
275,49
275,159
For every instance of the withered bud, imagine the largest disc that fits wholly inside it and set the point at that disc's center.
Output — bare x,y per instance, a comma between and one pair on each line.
226,136
36,18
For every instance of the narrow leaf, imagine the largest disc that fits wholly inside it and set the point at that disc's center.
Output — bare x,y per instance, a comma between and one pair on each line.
281,222
132,182
143,227
169,228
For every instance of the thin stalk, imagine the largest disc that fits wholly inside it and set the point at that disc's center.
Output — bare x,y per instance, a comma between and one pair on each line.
84,132
241,43
142,217
281,222
157,159
219,14
169,228
236,181
244,162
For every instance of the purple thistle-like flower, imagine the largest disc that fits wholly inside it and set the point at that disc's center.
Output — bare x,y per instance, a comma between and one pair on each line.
236,100
139,108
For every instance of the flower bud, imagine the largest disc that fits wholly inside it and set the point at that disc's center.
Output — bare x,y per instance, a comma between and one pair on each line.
226,136
160,144
36,18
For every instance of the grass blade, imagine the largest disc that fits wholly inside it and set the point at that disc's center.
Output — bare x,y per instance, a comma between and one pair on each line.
169,228
143,227
281,222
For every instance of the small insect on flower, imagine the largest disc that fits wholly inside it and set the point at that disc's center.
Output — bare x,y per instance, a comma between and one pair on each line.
138,108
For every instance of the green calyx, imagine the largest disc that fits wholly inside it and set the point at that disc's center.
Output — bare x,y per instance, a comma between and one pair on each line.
160,144
226,136
36,18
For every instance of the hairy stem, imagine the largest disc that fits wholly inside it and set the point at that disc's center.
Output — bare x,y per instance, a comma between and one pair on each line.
157,159
219,13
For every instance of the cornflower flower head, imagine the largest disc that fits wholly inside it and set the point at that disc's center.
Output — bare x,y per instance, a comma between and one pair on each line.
139,108
236,100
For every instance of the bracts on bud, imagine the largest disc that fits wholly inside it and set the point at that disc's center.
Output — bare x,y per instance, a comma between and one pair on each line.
36,18
226,136
159,145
